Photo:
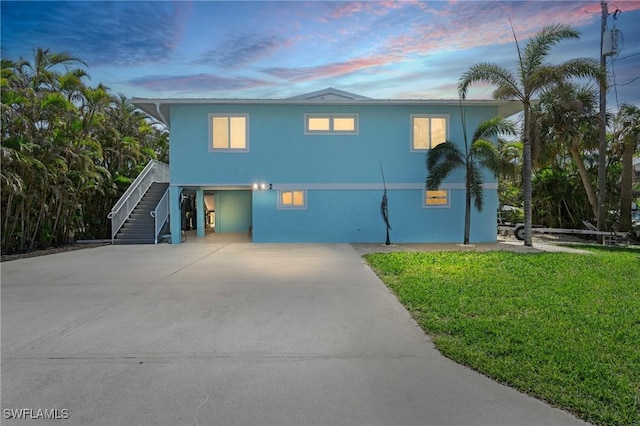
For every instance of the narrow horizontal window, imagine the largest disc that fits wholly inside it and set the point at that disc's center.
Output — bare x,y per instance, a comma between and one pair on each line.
344,124
229,132
319,124
428,131
331,124
439,198
292,200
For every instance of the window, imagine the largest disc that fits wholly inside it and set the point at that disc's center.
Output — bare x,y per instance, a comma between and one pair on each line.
331,124
292,200
428,131
439,198
229,132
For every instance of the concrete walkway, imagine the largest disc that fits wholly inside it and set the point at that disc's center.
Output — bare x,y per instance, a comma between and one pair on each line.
199,334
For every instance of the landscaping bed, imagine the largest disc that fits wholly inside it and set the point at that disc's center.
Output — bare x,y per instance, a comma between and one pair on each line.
52,250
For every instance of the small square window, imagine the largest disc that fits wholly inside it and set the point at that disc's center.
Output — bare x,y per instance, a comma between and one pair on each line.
292,200
439,198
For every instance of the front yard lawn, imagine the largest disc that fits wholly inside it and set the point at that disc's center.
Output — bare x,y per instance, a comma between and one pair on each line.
562,327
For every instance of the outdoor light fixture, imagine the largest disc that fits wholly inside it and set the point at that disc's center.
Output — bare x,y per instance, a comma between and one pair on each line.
261,186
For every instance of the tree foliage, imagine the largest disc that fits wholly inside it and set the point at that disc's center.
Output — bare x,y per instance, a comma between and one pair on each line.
532,75
480,154
627,142
567,122
68,151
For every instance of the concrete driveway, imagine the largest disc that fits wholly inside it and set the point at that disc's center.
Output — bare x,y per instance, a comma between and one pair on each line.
199,334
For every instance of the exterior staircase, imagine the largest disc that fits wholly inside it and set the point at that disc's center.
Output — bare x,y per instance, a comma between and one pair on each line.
139,228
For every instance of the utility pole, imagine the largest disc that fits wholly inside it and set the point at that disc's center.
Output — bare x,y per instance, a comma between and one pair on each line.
602,149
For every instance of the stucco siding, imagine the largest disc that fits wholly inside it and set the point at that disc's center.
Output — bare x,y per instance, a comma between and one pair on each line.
339,172
280,152
354,216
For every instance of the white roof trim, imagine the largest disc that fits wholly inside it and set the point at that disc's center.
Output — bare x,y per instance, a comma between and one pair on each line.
160,108
330,94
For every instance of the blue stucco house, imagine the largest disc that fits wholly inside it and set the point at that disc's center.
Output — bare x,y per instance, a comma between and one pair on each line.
308,168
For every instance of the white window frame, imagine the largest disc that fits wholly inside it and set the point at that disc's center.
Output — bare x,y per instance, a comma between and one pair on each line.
282,206
436,206
229,115
331,117
429,116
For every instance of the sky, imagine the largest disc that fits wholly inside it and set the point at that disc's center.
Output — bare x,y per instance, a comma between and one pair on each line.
278,49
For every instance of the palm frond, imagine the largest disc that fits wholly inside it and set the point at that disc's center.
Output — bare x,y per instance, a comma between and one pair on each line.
539,45
474,180
441,161
485,154
506,93
489,73
493,127
582,68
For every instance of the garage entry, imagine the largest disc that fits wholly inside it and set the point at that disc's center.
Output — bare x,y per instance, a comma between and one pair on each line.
229,210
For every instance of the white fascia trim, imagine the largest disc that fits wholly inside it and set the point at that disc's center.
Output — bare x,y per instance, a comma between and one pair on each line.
370,186
214,187
329,186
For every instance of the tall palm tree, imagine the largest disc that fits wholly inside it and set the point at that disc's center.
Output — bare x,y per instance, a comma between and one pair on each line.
533,74
42,74
628,134
447,157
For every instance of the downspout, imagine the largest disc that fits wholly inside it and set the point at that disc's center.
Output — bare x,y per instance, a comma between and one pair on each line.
164,120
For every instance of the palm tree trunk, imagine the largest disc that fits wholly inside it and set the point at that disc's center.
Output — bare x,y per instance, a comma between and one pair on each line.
526,175
5,225
586,181
467,207
626,184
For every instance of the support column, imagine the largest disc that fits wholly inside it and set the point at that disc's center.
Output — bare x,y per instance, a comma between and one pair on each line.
200,212
175,215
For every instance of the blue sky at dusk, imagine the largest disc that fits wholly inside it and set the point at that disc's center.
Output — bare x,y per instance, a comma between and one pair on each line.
275,49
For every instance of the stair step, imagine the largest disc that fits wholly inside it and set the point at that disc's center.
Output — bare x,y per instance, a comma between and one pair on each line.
140,225
131,242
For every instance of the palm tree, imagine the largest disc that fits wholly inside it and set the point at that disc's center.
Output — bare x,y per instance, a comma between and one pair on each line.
628,134
447,157
567,121
532,76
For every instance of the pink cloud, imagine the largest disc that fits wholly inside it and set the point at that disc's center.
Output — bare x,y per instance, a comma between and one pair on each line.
466,25
196,82
375,7
330,70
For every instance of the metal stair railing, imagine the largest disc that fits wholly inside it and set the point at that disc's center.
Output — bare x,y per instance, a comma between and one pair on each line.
160,214
154,171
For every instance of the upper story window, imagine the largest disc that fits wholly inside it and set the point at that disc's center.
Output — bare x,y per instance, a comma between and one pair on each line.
330,124
229,132
427,131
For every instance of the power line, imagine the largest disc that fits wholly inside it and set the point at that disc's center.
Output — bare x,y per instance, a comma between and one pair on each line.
630,81
625,57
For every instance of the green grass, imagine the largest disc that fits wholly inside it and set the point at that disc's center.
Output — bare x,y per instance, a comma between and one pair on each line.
562,327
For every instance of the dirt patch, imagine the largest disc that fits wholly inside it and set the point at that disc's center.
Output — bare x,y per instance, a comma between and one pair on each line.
541,242
52,250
